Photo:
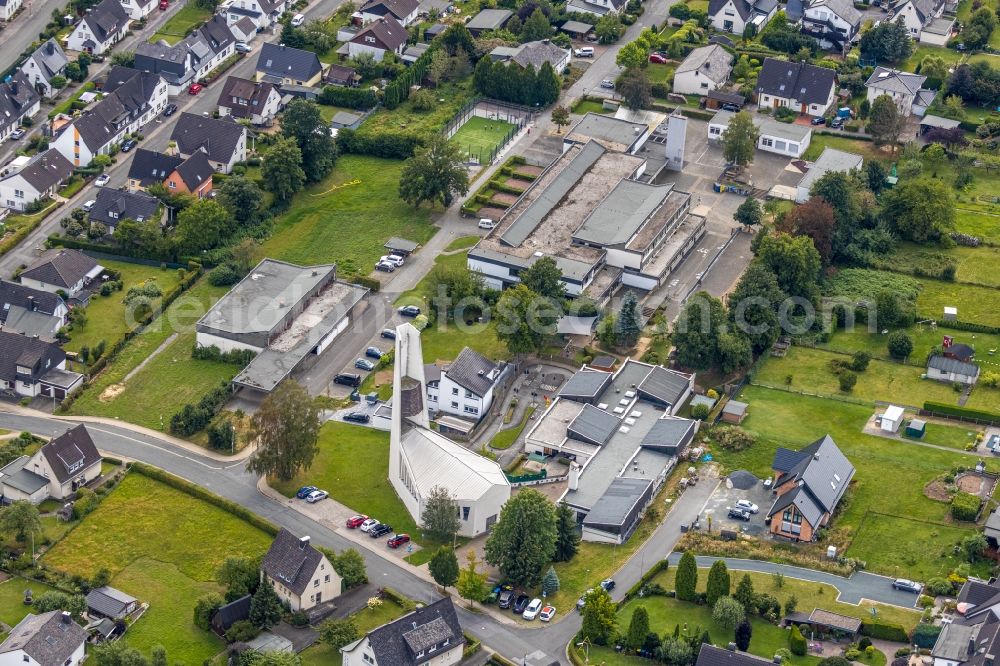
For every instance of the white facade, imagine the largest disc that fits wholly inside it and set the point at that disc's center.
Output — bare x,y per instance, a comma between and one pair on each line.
264,15
17,193
10,8
892,419
772,138
460,401
360,653
324,585
694,82
822,15
813,109
367,17
368,44
7,127
727,19
20,658
37,76
82,34
944,376
595,7
137,10
264,114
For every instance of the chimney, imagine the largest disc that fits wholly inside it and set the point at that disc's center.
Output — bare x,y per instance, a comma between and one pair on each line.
13,87
303,543
731,647
972,646
66,617
574,476
33,306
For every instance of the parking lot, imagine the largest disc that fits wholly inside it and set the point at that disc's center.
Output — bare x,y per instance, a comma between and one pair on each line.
724,497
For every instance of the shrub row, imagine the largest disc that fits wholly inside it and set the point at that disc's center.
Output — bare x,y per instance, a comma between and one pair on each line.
885,631
943,409
240,357
193,418
400,600
360,99
221,69
969,326
9,243
472,645
661,565
965,506
369,283
395,145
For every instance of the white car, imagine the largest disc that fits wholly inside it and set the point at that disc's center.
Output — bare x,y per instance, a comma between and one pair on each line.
316,496
747,505
533,609
368,525
393,259
298,20
547,613
486,223
608,83
102,180
242,47
88,206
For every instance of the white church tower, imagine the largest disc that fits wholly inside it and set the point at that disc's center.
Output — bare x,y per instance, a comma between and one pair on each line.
676,140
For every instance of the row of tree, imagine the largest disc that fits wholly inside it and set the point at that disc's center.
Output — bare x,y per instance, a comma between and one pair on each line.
510,82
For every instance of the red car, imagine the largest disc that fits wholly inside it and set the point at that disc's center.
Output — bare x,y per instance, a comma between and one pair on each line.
354,522
656,58
195,89
164,4
398,540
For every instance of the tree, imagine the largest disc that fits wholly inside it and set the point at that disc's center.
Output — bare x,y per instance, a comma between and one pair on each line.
753,306
686,580
608,28
727,612
920,210
21,519
791,604
889,41
265,606
628,323
302,122
75,604
974,546
524,539
202,226
797,642
635,88
550,582
436,172
739,141
697,330
544,277
285,429
117,653
744,592
794,261
338,633
440,517
744,630
885,122
158,656
632,56
935,69
548,85
560,116
471,583
600,617
900,345
718,582
567,534
638,628
438,68
814,218
58,82
240,576
444,567
875,175
525,320
976,32
240,196
536,27
350,566
281,169
205,608
847,380
749,213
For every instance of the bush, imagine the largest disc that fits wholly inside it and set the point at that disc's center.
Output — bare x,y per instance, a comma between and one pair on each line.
797,642
351,98
241,632
900,345
860,361
734,438
700,412
925,635
939,587
847,380
864,643
240,357
884,631
943,409
965,506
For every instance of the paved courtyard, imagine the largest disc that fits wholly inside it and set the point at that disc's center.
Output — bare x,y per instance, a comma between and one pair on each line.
718,507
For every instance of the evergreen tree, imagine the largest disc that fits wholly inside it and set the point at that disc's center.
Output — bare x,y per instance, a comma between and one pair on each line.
629,325
567,534
742,634
638,628
440,517
265,606
739,141
744,592
548,85
536,27
686,581
550,582
718,582
444,567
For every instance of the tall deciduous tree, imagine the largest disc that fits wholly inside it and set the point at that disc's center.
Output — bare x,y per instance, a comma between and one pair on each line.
638,628
338,633
202,226
444,567
739,141
440,517
523,540
560,116
435,173
240,196
285,429
281,169
795,262
240,576
525,320
600,616
686,579
815,219
21,519
350,566
567,534
718,582
885,122
749,213
753,306
544,278
728,612
920,210
635,88
697,330
302,122
471,583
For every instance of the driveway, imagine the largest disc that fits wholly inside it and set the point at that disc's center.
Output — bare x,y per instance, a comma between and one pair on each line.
719,503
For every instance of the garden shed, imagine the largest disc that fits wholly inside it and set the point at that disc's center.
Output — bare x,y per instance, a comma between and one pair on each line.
916,428
892,418
734,411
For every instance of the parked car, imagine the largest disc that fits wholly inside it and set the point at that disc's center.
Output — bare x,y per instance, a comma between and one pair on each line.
354,522
393,259
18,133
486,223
739,514
907,585
506,598
379,530
242,47
533,609
102,180
398,540
656,58
818,120
409,311
316,496
347,379
520,604
127,145
364,364
584,52
732,108
388,334
547,613
608,83
298,20
608,584
374,352
837,123
304,491
195,89
747,505
385,267
357,417
367,525
89,205
164,4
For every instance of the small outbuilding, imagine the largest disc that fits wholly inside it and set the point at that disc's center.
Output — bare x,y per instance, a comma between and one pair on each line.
400,246
892,419
230,614
576,29
111,603
734,411
916,428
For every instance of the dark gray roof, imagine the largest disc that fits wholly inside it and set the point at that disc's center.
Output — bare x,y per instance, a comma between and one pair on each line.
46,170
669,435
13,294
291,561
489,19
149,167
713,61
112,206
17,96
896,81
386,30
945,364
809,84
402,244
663,385
538,53
471,370
340,74
232,612
730,97
616,504
794,9
824,473
127,93
709,655
593,425
16,349
432,372
744,8
586,384
397,8
743,479
108,601
399,642
50,58
992,523
70,453
50,639
31,323
62,267
106,19
977,593
254,94
218,138
15,476
576,27
195,170
286,62
842,8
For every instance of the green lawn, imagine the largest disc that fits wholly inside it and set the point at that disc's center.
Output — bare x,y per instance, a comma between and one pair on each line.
338,220
451,98
584,106
977,305
983,397
952,436
950,56
973,264
162,546
924,338
461,243
327,112
321,654
980,224
479,137
170,379
108,318
661,73
866,149
177,27
504,438
12,608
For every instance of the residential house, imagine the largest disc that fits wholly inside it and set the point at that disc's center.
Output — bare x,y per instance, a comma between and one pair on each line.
404,11
379,37
534,54
342,75
112,206
800,86
924,20
244,30
57,470
106,601
263,13
229,614
9,8
301,575
131,100
952,370
972,637
735,15
68,271
31,367
193,175
247,100
103,26
835,23
487,20
138,9
706,68
829,160
190,59
790,140
49,639
223,141
906,89
466,387
38,179
596,7
429,635
47,62
17,299
809,484
279,64
18,101
710,655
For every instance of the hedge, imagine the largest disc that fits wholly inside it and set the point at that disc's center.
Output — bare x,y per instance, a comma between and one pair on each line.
943,409
497,660
197,491
661,565
885,631
369,283
969,326
394,145
9,243
398,599
965,506
351,98
925,635
472,645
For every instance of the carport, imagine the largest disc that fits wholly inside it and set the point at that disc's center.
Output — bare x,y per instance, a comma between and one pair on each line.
823,622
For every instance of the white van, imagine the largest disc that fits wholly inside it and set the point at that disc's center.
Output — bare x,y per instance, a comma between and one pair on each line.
486,223
584,52
298,20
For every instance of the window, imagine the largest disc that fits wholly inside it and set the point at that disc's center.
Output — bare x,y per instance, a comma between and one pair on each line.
454,405
465,512
454,391
171,184
469,409
316,583
769,143
368,658
469,394
326,579
18,194
715,131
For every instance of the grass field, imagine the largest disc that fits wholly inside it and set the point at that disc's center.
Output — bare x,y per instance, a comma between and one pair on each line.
975,304
162,546
924,338
177,27
107,316
866,149
950,56
584,106
479,137
321,654
12,608
461,243
451,97
347,222
972,264
975,223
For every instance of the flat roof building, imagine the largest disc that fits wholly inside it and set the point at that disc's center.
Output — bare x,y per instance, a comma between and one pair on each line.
775,137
